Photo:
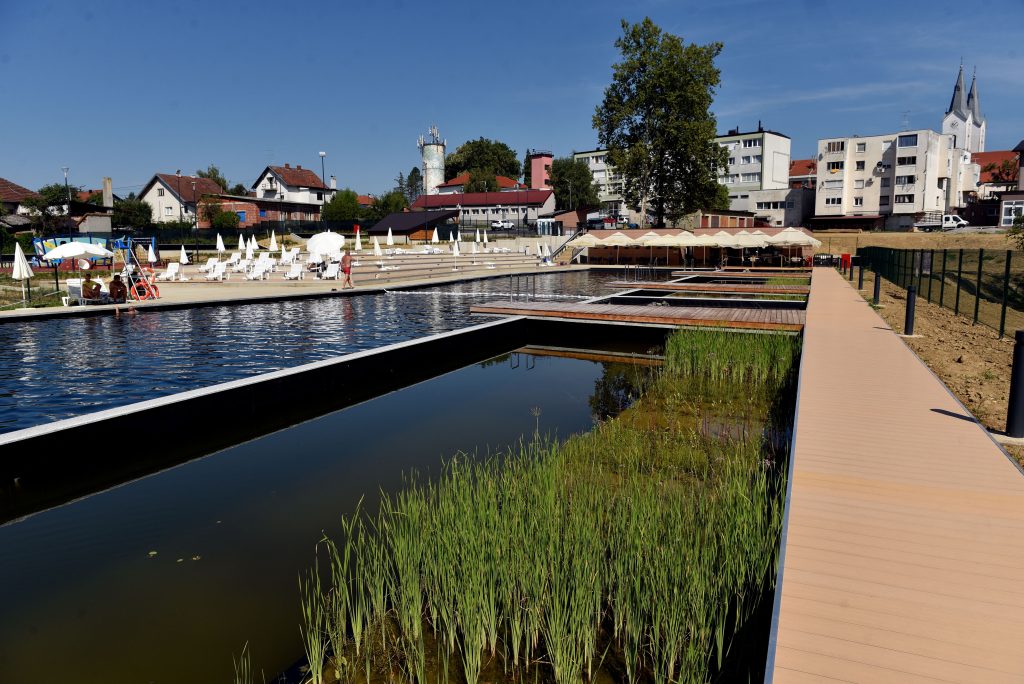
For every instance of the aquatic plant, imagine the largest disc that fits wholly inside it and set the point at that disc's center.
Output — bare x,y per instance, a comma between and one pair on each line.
717,355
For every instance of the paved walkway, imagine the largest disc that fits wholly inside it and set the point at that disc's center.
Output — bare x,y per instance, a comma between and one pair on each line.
904,545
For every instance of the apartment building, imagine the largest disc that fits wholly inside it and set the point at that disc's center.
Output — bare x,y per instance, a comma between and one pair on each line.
890,181
757,175
609,184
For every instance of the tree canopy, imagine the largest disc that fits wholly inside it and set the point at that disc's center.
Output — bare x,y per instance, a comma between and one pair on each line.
225,221
214,174
238,189
656,123
344,206
1002,172
132,213
487,157
388,203
413,184
573,184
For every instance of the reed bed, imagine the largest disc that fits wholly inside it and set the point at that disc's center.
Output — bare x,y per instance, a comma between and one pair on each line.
640,547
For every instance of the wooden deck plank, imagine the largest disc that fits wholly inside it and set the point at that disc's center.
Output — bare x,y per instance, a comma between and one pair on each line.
905,529
713,287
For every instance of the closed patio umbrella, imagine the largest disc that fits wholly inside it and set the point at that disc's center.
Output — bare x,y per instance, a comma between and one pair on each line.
151,257
485,236
241,243
391,240
249,251
435,238
182,257
273,242
220,244
22,271
477,238
359,240
376,248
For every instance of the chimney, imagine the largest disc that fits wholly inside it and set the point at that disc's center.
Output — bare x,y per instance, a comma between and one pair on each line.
108,193
298,166
287,165
334,183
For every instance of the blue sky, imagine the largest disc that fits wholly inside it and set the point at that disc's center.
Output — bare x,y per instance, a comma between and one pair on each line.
126,89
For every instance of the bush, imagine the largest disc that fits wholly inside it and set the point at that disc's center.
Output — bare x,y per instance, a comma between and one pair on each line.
225,220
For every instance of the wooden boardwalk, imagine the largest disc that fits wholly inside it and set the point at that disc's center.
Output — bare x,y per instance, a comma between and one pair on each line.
903,549
747,318
739,288
732,275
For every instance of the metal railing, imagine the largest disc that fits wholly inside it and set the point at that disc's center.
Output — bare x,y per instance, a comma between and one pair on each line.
986,286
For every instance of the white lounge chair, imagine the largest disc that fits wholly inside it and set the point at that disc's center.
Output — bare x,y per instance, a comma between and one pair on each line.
171,273
233,259
210,264
258,272
294,273
241,267
331,272
219,272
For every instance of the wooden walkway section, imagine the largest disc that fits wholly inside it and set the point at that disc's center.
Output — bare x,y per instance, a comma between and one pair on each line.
739,288
733,275
747,318
903,549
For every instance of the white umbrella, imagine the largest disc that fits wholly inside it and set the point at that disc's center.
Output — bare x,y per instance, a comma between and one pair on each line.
391,240
547,249
182,257
273,242
585,240
376,248
458,236
241,243
284,250
435,239
249,251
75,250
359,240
477,238
474,248
455,254
540,252
151,257
485,236
326,242
220,244
21,271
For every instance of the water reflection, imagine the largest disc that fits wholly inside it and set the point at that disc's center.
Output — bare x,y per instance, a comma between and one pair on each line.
61,368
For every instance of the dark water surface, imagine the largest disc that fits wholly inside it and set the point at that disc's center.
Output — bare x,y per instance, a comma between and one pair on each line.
61,368
162,579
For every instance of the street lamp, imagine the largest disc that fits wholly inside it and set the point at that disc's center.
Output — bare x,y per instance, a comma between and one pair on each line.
323,173
67,188
195,225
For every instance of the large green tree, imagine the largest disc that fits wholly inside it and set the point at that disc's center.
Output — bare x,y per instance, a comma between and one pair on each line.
344,206
656,123
490,157
1002,172
413,184
573,184
214,174
481,181
132,213
388,203
238,189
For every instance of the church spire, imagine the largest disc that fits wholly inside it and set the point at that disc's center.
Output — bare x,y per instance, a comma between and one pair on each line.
972,102
958,104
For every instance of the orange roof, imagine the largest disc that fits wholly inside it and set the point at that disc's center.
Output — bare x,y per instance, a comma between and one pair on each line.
802,167
996,157
364,200
503,182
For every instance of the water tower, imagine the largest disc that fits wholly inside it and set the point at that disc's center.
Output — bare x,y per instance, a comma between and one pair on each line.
432,149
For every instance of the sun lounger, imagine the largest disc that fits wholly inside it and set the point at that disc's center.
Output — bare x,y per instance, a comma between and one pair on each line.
219,272
258,272
331,272
211,264
294,273
233,259
171,273
241,267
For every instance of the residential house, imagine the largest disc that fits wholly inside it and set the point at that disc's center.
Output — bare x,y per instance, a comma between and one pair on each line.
995,180
803,173
459,183
175,197
294,185
13,196
1012,203
480,208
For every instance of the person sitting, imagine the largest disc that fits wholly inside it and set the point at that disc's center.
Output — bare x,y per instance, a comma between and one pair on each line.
118,291
90,288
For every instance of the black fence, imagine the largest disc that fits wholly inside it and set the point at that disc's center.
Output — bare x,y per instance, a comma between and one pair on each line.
986,286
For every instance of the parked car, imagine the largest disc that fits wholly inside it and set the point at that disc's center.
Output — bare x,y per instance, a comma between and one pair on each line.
937,221
502,225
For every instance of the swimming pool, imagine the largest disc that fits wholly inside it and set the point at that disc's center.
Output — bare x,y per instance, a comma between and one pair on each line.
59,368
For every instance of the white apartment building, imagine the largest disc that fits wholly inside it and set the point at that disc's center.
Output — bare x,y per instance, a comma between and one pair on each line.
891,180
609,184
757,177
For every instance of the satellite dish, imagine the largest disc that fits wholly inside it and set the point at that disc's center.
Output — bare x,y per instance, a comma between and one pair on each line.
84,264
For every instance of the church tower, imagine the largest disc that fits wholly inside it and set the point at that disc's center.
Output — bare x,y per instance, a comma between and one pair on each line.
963,119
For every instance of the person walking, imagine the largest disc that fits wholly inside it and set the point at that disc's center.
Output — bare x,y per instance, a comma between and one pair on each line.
346,268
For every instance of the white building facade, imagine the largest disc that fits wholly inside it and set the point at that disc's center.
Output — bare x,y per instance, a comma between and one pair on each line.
963,120
609,184
173,197
898,179
292,184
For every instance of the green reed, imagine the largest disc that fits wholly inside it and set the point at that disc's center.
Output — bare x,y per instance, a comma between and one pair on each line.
649,540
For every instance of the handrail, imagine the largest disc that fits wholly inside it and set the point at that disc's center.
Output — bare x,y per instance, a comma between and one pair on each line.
562,246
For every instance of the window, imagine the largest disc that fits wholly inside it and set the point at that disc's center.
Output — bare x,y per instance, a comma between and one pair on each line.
757,159
906,161
858,184
905,180
885,182
835,167
832,184
862,148
789,204
1012,209
886,144
746,159
241,216
883,201
833,201
904,199
263,213
858,201
860,166
320,197
907,140
771,205
167,211
159,192
732,160
752,142
835,146
751,178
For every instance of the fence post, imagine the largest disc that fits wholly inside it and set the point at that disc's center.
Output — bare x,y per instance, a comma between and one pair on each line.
959,275
860,275
908,321
931,273
878,285
851,268
1006,292
1015,411
977,284
942,283
920,270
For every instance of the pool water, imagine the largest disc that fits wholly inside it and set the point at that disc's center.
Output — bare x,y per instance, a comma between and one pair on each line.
60,368
164,578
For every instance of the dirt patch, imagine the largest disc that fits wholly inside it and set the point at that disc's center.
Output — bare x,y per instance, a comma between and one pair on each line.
847,243
970,359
